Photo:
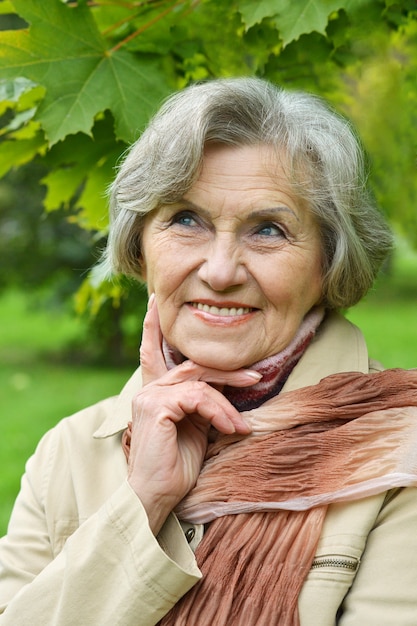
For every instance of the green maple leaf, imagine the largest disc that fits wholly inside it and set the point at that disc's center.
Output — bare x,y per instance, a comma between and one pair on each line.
64,52
80,170
19,152
254,11
292,18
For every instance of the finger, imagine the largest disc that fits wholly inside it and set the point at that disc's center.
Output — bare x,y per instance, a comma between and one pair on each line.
212,406
151,355
188,370
190,398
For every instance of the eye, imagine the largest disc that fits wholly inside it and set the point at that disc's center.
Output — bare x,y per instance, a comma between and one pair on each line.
184,218
269,229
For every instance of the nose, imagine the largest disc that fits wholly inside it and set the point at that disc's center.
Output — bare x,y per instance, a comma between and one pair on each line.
222,267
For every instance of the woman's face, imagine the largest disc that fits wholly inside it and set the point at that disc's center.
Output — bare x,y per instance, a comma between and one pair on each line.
236,264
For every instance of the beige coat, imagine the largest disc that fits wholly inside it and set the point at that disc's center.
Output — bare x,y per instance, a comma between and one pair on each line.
79,549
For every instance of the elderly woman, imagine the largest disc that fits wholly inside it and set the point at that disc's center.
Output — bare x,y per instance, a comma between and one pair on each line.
259,469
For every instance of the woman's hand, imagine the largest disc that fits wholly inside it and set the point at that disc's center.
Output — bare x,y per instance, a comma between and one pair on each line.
171,417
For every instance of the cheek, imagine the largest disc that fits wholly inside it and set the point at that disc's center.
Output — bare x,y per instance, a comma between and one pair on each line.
152,268
296,285
315,283
167,282
312,288
143,270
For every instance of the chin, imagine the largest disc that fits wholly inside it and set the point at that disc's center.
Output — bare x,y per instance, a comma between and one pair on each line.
215,360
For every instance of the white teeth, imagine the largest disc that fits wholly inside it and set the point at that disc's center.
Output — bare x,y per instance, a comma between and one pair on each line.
224,311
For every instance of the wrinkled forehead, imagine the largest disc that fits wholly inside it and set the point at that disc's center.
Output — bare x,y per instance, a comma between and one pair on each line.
250,163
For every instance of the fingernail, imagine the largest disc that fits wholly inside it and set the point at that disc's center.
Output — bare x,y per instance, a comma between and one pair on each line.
253,374
151,300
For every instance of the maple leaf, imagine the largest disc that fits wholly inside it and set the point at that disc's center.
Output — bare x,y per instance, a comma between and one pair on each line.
64,51
292,19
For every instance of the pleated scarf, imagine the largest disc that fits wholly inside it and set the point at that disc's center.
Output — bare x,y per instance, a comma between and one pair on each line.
264,497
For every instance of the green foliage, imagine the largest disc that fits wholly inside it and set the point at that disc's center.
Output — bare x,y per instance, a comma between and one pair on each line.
385,87
37,252
291,19
64,51
81,79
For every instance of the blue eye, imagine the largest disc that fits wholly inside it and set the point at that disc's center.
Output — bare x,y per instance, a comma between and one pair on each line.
184,218
270,230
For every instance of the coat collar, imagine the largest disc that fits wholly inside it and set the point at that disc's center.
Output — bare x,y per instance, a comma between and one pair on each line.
120,412
338,346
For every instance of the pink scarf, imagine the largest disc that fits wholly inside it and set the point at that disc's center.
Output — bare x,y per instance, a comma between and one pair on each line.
265,496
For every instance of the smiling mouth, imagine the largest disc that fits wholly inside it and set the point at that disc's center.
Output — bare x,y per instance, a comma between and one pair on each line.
221,311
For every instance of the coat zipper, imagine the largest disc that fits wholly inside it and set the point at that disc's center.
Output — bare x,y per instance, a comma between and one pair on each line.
337,561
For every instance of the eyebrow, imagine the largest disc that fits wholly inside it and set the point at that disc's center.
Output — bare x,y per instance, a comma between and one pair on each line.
270,211
261,213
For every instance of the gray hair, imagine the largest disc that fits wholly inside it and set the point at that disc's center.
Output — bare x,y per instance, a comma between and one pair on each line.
326,166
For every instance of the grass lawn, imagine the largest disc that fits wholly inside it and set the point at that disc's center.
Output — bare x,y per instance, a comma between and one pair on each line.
36,390
388,315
